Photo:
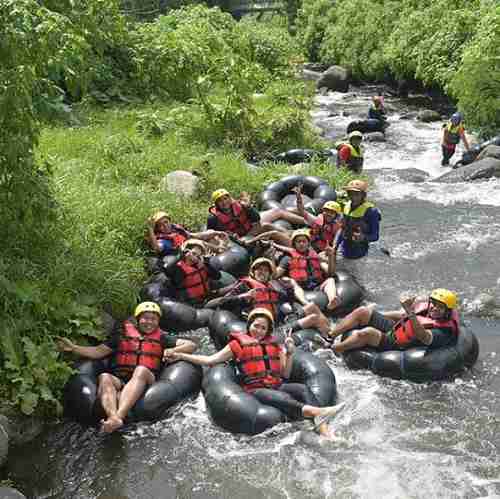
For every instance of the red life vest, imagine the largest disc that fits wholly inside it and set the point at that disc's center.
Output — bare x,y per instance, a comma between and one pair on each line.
322,233
300,270
177,235
267,297
235,221
136,349
403,330
257,361
195,283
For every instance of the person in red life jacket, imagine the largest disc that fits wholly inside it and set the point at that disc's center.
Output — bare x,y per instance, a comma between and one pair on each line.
350,154
361,221
259,289
137,348
431,322
265,365
453,132
326,227
240,218
166,238
308,269
192,275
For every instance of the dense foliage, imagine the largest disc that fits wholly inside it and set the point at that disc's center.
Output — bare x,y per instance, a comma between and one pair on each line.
73,199
449,44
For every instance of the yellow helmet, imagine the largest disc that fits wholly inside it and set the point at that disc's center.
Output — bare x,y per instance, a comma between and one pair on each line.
260,261
357,186
158,216
445,296
355,134
332,206
147,306
216,195
190,243
261,312
300,232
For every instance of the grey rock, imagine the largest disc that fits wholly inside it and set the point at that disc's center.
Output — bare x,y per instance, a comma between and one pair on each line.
10,493
483,169
408,116
22,429
181,182
489,152
335,78
428,115
307,74
374,137
408,174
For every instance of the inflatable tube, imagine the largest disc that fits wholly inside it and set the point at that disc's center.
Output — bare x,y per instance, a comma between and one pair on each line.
238,411
316,193
367,126
469,156
349,291
296,156
418,364
176,382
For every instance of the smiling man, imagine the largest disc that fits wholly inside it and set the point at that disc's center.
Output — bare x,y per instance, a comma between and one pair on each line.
137,348
432,322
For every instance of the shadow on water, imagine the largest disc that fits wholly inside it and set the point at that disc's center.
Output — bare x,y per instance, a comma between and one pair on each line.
395,439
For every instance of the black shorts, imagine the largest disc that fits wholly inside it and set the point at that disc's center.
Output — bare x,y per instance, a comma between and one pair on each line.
378,321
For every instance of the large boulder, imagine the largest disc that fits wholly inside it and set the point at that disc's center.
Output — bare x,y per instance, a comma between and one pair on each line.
181,182
485,168
10,493
489,152
335,78
428,115
4,444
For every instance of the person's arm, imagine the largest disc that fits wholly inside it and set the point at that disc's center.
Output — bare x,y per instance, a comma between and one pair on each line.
284,265
422,334
332,260
95,353
206,235
203,360
464,139
286,358
181,346
444,136
373,219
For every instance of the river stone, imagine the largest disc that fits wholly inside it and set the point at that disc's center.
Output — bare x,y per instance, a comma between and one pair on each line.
489,152
23,429
428,115
485,168
181,182
410,115
307,74
335,78
374,137
10,493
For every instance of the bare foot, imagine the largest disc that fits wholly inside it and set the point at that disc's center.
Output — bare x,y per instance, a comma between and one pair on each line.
111,424
333,303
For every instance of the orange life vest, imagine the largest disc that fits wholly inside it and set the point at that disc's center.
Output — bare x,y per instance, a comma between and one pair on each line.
322,233
195,283
266,297
135,349
235,221
302,267
403,330
176,235
257,361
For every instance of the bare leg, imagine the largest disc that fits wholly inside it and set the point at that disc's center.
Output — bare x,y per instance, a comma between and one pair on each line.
314,319
141,378
108,389
329,288
272,233
270,216
363,337
358,317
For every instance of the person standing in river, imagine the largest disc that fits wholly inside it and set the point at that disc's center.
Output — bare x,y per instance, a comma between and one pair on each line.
361,222
453,132
137,349
377,109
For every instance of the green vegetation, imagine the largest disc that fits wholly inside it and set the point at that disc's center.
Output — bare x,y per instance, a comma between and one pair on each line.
190,87
448,44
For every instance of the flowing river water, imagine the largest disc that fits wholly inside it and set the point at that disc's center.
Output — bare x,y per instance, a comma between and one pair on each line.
395,439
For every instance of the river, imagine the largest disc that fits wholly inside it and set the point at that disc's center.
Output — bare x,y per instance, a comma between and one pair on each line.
395,439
